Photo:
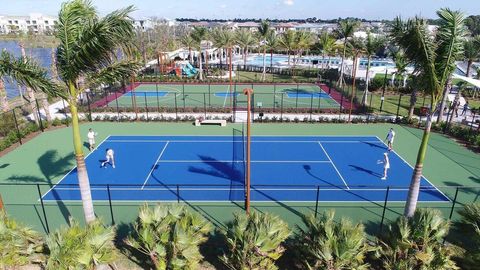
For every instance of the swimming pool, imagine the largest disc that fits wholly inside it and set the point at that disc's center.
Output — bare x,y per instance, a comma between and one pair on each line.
282,60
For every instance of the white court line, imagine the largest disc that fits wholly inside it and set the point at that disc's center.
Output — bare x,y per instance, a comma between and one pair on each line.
274,135
229,141
155,164
241,161
414,169
104,140
333,164
227,189
229,201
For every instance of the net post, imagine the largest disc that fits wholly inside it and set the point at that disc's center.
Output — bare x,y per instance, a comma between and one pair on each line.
453,204
316,201
178,193
341,106
19,135
384,208
43,209
39,115
110,204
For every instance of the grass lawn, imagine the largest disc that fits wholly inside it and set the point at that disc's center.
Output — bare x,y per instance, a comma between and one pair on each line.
45,159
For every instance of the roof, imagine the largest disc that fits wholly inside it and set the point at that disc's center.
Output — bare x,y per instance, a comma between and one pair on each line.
248,24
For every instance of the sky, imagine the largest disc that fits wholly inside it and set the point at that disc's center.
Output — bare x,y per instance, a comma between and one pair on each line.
273,9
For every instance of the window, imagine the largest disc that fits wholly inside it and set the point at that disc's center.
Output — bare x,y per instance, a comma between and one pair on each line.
46,22
28,22
10,22
16,22
34,22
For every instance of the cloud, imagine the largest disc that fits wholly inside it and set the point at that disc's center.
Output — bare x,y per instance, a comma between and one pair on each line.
223,6
288,2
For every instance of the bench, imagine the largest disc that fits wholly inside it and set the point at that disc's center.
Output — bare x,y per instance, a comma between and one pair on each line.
220,122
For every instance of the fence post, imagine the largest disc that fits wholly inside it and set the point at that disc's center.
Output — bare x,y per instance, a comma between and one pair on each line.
205,105
183,93
384,208
281,108
311,106
274,94
146,104
296,101
19,135
178,194
158,101
39,115
316,201
209,104
176,108
453,204
398,105
116,105
110,204
43,208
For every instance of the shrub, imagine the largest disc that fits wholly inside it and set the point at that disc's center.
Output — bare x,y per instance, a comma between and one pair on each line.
324,243
77,247
19,245
416,243
469,227
254,241
170,236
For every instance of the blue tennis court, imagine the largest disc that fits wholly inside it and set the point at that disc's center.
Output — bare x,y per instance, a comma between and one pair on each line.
314,95
212,168
148,94
227,94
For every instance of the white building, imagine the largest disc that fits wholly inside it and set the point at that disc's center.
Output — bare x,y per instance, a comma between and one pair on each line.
34,23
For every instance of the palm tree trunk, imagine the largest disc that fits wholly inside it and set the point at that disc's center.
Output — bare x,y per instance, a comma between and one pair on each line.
271,59
200,73
469,66
46,108
30,93
444,100
355,59
413,101
190,55
414,189
230,74
340,79
244,58
367,80
83,181
4,105
264,73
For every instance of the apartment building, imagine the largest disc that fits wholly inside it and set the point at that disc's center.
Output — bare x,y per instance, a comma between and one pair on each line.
34,23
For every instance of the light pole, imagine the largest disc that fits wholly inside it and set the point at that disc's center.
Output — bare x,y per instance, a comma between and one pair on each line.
248,92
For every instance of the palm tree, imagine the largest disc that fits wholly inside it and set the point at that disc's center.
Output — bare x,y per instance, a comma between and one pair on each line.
323,243
263,32
469,226
372,44
271,43
327,45
199,34
245,39
344,31
229,41
434,58
4,104
471,51
217,37
356,47
303,41
416,243
30,93
401,64
188,42
287,42
86,52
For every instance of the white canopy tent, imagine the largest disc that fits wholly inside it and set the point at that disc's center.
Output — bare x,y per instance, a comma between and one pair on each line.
474,82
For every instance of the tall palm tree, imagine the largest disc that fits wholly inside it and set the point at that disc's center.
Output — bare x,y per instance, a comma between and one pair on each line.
287,42
245,39
29,91
217,38
372,44
4,104
401,64
434,58
199,34
188,42
271,43
356,48
471,51
345,30
327,45
263,32
86,52
303,41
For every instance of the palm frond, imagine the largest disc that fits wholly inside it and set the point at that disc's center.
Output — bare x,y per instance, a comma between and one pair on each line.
116,72
27,72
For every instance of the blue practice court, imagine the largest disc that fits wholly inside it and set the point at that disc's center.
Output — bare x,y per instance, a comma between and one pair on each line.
212,168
